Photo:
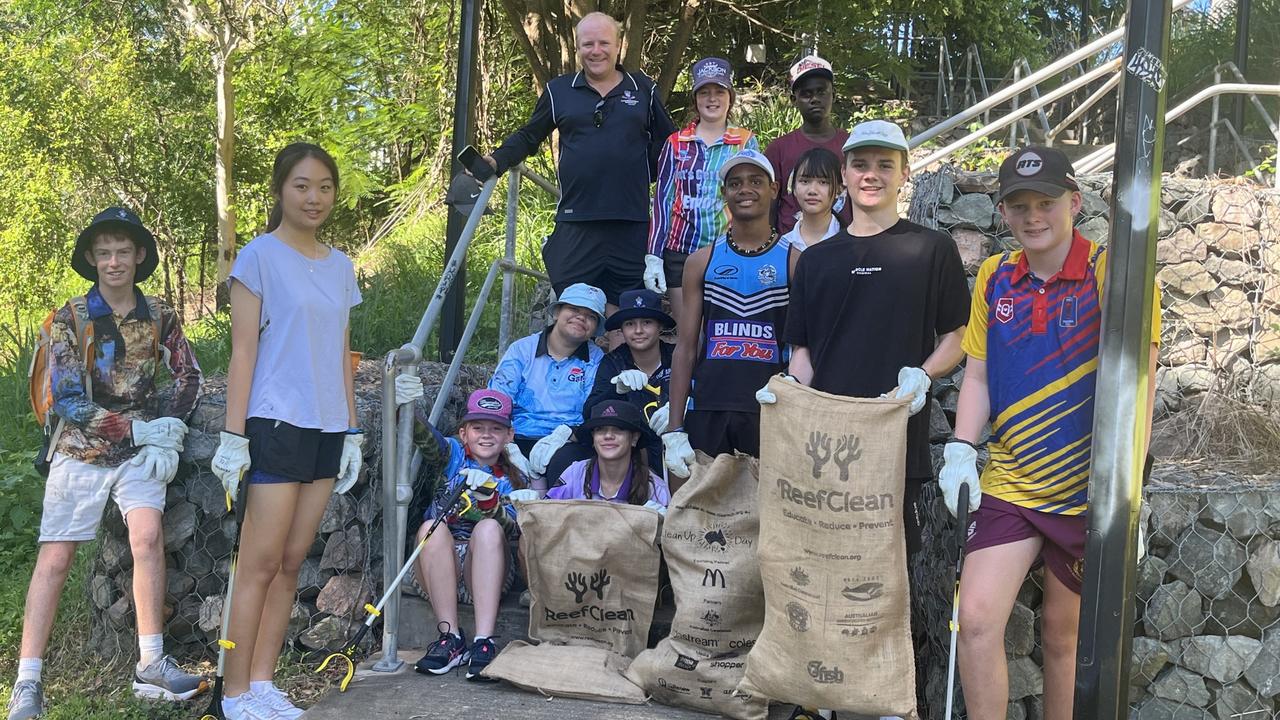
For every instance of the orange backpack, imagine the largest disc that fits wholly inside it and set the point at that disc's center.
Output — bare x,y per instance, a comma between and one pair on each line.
38,376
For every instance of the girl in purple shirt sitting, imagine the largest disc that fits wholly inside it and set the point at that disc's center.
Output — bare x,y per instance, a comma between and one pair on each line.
619,472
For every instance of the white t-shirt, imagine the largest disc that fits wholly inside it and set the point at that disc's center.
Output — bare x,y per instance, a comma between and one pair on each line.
298,377
794,240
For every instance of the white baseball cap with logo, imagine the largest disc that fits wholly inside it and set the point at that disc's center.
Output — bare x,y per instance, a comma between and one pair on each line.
876,133
747,157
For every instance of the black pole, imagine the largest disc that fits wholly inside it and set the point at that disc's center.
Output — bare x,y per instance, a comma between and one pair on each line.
1241,60
464,131
1120,400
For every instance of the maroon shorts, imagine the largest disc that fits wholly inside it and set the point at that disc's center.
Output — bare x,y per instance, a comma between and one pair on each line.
997,522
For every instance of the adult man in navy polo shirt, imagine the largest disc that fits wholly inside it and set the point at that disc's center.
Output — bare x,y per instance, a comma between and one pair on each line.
549,375
612,127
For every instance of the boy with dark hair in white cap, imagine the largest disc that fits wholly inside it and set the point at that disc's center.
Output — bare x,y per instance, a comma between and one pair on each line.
117,438
879,308
736,304
812,92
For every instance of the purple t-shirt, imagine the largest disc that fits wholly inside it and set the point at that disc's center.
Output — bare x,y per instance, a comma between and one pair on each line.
573,476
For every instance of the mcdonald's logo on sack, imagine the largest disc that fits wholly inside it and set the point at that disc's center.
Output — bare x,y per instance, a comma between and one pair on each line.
713,577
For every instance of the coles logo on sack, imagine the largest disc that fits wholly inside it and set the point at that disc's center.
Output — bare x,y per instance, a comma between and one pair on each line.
1004,309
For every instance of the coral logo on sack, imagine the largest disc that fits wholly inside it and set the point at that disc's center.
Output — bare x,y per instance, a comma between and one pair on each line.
798,617
582,588
1004,309
847,449
825,675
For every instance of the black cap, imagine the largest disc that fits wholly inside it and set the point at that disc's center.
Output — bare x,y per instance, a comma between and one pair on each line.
124,220
619,414
462,195
1039,168
634,304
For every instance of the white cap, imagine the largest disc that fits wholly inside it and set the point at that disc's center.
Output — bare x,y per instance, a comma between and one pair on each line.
876,133
748,157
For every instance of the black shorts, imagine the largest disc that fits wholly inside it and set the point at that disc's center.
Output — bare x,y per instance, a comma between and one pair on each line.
673,267
716,432
608,254
280,452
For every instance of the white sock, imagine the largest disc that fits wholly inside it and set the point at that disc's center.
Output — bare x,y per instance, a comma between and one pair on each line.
478,638
825,713
150,648
30,669
258,687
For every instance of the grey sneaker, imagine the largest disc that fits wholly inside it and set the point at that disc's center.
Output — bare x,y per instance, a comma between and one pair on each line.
26,701
164,680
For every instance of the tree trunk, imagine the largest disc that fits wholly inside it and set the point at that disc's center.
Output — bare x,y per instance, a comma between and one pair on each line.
633,37
672,66
225,162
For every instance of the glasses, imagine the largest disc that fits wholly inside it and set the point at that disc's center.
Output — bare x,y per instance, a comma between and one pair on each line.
598,115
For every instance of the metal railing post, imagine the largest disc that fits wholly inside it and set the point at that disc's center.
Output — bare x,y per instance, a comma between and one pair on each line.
1013,131
1213,125
392,541
508,276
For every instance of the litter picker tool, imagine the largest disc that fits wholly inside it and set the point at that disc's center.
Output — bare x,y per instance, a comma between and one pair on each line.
347,654
962,525
224,644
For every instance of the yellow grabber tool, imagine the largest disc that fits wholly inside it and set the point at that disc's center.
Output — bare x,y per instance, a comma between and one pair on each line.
347,654
215,702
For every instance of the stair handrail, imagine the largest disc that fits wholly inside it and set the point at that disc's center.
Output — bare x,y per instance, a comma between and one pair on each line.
1230,67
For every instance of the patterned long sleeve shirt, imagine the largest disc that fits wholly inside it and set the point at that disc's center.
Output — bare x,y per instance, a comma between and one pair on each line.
688,209
450,457
136,375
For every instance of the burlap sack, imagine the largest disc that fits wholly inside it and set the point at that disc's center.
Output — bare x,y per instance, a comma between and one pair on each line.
833,556
709,539
593,572
565,671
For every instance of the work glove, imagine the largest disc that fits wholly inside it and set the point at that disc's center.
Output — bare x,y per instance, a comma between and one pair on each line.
677,454
655,278
523,495
660,418
629,380
165,432
765,396
160,464
476,479
959,466
545,448
913,383
656,507
408,389
349,465
517,458
231,461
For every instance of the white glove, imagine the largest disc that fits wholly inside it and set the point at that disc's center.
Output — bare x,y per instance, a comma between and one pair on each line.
542,451
765,396
660,418
523,495
231,461
165,432
160,464
349,465
629,380
959,466
477,479
677,454
518,459
913,383
655,278
656,507
408,389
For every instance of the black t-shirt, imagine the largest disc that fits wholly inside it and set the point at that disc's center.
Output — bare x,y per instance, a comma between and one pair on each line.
867,306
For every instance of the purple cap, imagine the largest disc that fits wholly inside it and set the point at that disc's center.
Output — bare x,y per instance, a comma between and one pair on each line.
486,404
712,70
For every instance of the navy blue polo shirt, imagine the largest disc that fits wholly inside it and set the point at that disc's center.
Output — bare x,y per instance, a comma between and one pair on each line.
604,171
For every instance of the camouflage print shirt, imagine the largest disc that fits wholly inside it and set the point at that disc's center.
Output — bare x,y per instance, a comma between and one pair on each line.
133,378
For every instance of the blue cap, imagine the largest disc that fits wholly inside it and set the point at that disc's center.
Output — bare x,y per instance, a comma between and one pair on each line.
712,70
584,296
747,157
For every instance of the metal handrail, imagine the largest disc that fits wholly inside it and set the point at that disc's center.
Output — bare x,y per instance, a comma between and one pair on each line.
399,456
1102,158
1084,107
1017,88
1213,124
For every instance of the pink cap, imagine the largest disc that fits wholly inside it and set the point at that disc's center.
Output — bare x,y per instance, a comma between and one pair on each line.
486,404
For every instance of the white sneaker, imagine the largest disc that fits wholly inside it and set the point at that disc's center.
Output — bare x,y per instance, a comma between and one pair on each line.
276,699
250,707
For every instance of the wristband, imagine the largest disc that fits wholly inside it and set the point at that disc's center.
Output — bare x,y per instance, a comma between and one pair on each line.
674,430
975,446
354,431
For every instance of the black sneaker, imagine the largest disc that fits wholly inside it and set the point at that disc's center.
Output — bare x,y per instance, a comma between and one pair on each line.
445,654
483,651
804,713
